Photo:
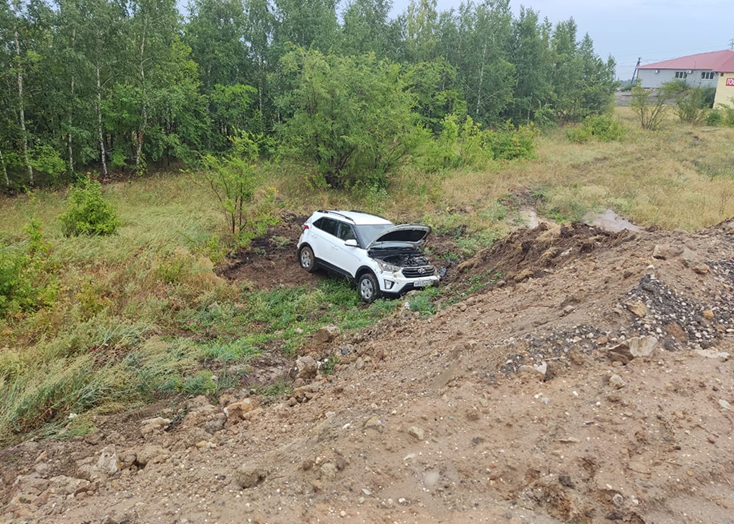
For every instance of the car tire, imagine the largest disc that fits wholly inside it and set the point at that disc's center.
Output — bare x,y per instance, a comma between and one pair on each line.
307,259
367,288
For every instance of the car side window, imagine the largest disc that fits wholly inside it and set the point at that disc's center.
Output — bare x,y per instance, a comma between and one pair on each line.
329,226
346,232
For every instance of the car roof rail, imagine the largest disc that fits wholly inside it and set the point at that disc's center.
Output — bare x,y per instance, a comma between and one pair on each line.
345,217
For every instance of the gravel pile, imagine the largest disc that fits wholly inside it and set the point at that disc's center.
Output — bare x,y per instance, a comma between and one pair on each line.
689,321
535,348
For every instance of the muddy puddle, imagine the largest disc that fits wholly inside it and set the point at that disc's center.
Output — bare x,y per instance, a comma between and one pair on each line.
610,221
607,220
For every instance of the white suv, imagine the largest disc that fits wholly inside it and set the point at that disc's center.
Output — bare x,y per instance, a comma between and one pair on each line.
380,257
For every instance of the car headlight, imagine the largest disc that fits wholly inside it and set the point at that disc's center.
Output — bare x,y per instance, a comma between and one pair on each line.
384,266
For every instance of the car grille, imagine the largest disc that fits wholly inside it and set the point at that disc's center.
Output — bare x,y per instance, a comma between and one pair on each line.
418,272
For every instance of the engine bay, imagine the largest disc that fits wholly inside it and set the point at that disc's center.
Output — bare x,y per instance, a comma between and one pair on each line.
400,257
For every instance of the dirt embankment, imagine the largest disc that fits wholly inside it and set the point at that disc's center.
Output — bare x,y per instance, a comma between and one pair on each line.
591,382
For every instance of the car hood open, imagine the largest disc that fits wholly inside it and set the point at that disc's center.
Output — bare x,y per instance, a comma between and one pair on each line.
413,234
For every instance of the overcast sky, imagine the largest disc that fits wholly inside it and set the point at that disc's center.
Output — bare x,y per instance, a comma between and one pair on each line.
627,29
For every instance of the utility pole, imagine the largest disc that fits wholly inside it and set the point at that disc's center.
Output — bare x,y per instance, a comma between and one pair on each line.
634,75
731,44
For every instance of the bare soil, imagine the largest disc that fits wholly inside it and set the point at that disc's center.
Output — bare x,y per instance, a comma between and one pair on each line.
509,406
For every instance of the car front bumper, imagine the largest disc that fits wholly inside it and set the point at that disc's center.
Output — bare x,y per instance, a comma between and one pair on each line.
395,283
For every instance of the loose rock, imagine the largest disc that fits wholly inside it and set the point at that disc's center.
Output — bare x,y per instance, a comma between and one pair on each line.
249,476
416,432
326,334
617,382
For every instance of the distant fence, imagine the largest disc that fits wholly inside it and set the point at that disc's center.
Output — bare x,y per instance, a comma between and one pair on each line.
623,98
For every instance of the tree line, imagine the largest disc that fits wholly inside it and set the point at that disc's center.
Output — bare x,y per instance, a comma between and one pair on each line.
124,85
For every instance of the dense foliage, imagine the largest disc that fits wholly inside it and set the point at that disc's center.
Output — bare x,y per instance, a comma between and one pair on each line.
123,85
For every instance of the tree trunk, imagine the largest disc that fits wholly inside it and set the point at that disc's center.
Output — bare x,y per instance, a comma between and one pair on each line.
481,78
5,169
21,107
144,109
71,115
100,134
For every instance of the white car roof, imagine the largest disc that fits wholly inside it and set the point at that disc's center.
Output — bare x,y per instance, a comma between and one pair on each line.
357,217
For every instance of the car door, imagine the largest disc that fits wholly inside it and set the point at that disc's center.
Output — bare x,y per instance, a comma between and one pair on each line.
346,257
320,239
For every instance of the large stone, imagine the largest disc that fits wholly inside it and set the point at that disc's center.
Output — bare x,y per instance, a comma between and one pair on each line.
642,346
664,252
326,334
634,347
638,308
306,368
237,410
154,425
536,370
107,462
63,485
249,476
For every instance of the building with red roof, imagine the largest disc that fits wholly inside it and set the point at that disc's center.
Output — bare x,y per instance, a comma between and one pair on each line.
715,69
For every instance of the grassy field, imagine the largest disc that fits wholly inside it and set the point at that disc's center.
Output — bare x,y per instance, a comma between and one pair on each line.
142,315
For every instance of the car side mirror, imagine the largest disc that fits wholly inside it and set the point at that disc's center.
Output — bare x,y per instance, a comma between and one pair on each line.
351,243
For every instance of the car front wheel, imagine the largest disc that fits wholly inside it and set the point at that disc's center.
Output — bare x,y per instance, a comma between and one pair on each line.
307,259
367,288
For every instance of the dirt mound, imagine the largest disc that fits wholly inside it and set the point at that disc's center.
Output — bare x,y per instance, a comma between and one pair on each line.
533,252
512,405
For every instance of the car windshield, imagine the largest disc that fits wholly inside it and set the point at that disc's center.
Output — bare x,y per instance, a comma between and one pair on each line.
368,232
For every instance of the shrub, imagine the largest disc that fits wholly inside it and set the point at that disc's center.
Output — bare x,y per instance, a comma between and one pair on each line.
458,145
714,118
88,213
691,106
651,110
727,115
510,142
232,178
26,277
603,128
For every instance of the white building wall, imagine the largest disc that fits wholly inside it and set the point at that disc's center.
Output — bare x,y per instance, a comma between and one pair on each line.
649,78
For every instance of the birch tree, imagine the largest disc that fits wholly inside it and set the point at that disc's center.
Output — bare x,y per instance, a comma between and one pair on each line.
17,9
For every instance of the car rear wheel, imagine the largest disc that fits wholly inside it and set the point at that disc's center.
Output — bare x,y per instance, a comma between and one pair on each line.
368,288
307,259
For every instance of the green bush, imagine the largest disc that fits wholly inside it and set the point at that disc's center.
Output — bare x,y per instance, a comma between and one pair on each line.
26,277
692,105
603,128
727,115
714,118
510,142
458,145
88,213
232,178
